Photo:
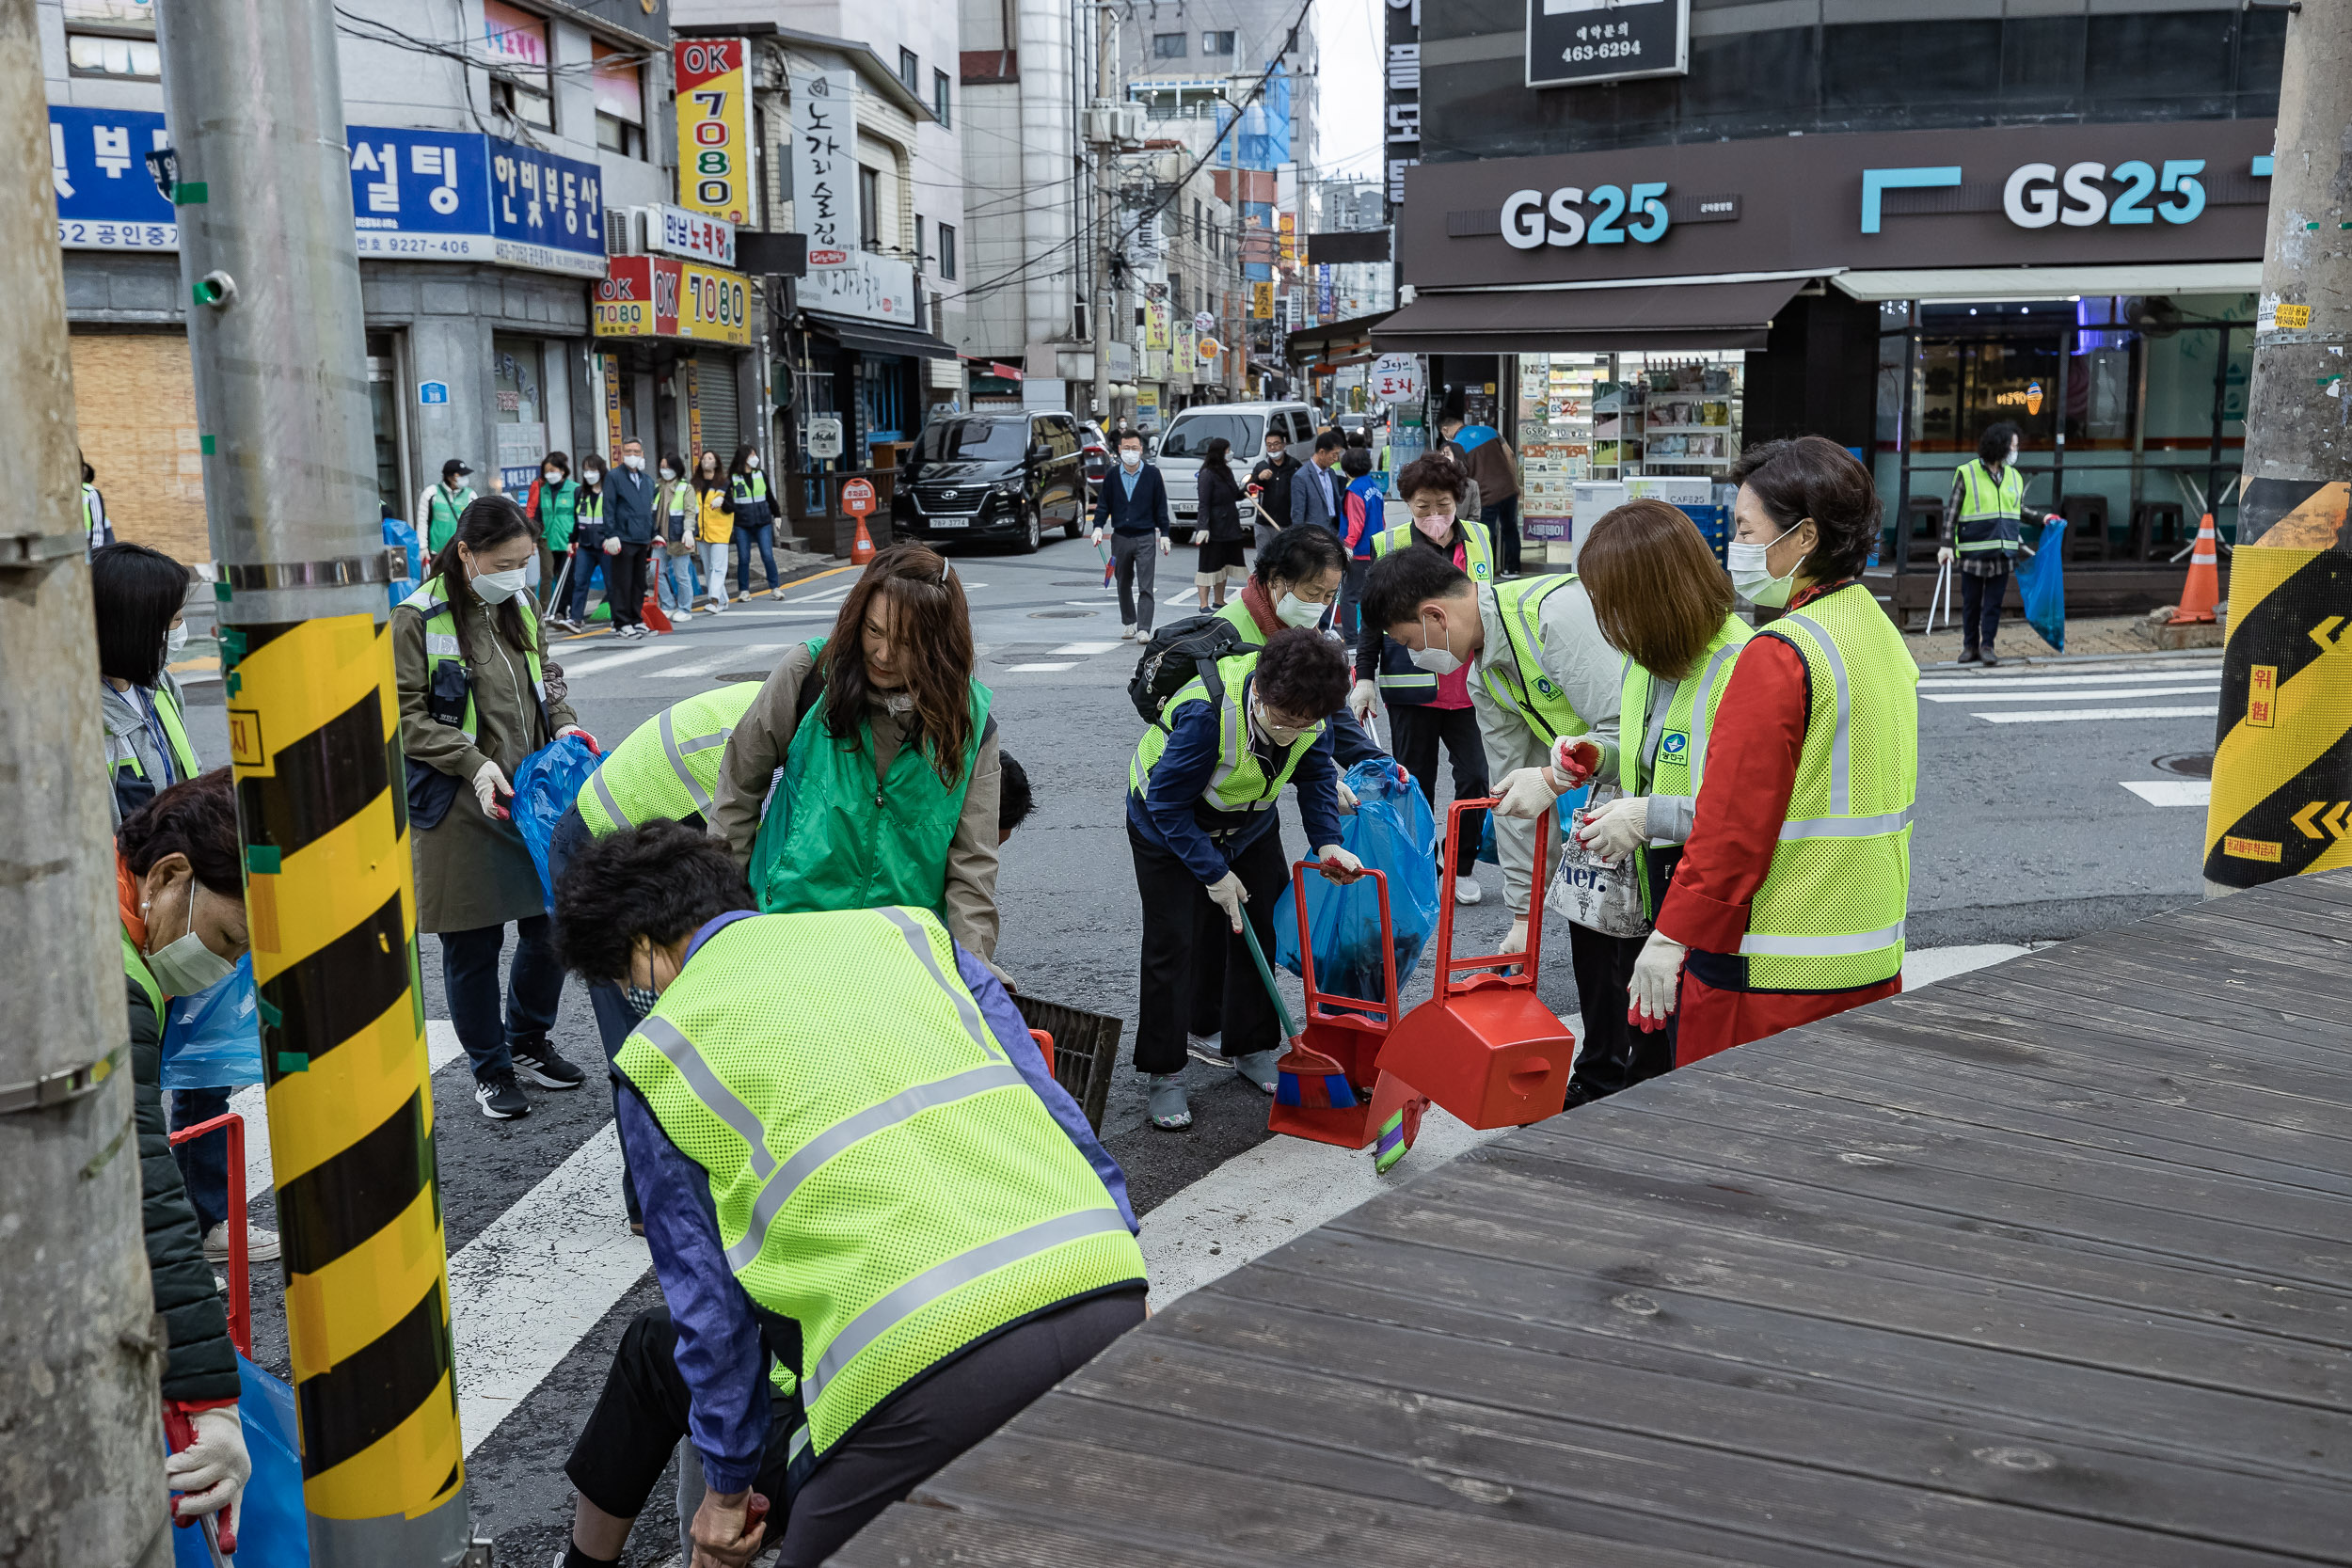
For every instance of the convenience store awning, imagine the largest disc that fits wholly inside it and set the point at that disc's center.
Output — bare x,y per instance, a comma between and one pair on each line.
2005,283
1653,318
1339,340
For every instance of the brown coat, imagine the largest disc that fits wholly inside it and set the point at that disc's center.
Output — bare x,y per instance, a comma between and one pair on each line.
473,870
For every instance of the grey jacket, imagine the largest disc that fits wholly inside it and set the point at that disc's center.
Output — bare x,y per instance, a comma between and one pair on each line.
1307,504
128,737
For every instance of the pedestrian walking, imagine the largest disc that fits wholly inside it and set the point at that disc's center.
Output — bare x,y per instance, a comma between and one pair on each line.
889,793
714,512
1980,526
138,595
1223,542
755,520
471,662
97,528
1487,458
589,535
1662,601
1315,488
910,1141
630,519
675,513
440,506
1272,475
1426,710
549,506
1363,513
1132,504
1788,903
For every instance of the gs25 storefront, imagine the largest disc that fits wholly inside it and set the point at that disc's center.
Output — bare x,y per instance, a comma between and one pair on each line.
671,333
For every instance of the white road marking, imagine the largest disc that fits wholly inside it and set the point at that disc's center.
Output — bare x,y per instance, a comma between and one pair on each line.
440,1049
2078,715
613,661
840,592
2171,792
718,661
1096,648
2042,683
2066,696
1017,669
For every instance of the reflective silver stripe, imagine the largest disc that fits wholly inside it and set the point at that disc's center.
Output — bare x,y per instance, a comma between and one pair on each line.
1700,703
720,1100
1755,945
798,1446
1845,826
1415,682
942,1280
695,791
440,645
1967,544
967,1010
604,798
851,1130
1839,793
704,742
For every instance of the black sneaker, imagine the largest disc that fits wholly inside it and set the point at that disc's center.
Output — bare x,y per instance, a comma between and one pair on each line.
498,1096
537,1063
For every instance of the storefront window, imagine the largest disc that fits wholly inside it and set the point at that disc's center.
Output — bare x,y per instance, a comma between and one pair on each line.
112,38
881,395
519,84
521,413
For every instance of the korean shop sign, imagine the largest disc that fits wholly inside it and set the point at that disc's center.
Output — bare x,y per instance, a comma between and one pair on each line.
824,166
656,296
714,164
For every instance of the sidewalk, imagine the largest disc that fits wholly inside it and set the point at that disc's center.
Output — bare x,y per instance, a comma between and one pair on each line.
2106,636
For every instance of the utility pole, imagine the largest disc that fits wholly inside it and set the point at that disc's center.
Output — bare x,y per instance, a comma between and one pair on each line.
81,1434
254,102
2283,763
1103,138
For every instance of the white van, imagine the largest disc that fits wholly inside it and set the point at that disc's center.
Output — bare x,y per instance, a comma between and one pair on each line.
1244,424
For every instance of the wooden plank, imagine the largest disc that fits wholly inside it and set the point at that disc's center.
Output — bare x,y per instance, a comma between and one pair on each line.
2330,923
2111,1001
2187,966
914,1536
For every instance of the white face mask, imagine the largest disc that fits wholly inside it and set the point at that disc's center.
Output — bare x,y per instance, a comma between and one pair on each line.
1281,735
185,966
1437,661
498,587
752,463
591,476
553,476
175,639
1753,578
1131,459
1295,611
669,475
630,460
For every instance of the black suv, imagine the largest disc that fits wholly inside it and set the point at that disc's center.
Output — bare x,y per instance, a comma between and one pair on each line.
992,476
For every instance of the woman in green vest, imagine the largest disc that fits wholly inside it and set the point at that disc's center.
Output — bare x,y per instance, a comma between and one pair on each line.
1980,526
1788,903
477,696
550,509
1663,600
138,593
755,520
889,755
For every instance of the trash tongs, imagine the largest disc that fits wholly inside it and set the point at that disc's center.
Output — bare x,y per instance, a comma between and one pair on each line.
221,1542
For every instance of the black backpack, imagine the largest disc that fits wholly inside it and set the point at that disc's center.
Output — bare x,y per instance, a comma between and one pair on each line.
1177,654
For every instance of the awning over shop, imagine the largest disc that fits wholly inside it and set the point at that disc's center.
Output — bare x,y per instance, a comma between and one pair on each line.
1338,340
1994,283
876,338
1643,318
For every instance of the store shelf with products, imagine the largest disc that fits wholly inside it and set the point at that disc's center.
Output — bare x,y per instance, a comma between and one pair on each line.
1554,438
1585,418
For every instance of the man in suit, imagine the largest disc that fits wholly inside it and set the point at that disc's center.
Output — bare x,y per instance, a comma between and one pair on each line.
629,512
1272,474
1132,501
1315,492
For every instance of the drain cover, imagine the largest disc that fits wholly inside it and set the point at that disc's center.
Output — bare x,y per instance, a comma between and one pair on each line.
1063,614
734,675
2189,765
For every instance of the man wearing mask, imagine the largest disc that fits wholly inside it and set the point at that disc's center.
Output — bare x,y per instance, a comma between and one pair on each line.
441,505
1132,502
1272,478
1487,457
629,514
1426,710
1315,491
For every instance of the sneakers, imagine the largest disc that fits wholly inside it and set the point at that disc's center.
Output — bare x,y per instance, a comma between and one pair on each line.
538,1063
1990,659
1127,632
1466,889
498,1096
1206,1048
261,1246
1257,1071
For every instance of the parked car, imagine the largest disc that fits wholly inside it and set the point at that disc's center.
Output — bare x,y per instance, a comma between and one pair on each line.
1364,424
1096,449
1244,424
991,477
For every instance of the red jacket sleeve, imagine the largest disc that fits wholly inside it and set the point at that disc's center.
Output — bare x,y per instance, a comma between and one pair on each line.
1751,774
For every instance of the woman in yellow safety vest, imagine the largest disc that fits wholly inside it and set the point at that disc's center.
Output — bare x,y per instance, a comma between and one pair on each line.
715,524
1980,526
138,594
755,520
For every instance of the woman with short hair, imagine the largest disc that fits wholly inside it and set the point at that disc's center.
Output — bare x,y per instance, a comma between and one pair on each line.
1980,526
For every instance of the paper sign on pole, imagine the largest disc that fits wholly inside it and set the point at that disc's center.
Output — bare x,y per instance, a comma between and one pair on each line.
713,127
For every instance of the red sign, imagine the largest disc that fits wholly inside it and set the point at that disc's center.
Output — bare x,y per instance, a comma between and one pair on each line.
857,498
1004,372
827,258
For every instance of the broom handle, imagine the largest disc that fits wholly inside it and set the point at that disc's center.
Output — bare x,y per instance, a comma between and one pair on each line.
1290,1031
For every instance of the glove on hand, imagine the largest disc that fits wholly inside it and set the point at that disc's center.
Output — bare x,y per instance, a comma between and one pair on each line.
1363,698
1574,761
1616,829
212,1472
1228,895
489,783
575,729
1514,939
1657,978
1347,799
1527,794
1339,864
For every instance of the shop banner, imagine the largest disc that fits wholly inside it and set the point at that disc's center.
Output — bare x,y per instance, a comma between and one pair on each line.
696,236
1155,324
863,285
824,161
659,296
714,140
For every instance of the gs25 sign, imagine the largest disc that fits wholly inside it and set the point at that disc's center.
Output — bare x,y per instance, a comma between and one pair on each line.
1531,220
2037,195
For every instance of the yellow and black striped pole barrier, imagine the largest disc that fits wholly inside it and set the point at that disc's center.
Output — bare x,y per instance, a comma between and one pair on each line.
2282,759
260,176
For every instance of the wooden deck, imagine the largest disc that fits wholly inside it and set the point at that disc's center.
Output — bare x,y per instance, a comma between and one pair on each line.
2046,1267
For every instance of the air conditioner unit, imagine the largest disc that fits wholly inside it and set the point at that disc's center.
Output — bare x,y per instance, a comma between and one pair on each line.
1119,126
625,231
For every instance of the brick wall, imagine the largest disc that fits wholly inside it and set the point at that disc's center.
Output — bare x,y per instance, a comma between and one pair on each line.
135,403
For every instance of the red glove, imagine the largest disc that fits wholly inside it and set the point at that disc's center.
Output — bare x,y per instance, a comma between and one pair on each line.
1404,776
1647,1025
584,735
1574,761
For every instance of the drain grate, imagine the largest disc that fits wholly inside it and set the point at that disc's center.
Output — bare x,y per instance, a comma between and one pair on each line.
2188,764
1063,614
734,675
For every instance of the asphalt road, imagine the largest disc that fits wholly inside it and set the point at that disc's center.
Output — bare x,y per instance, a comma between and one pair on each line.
2025,833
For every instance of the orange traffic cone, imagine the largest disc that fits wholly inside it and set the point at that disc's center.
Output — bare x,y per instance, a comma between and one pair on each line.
861,550
2203,590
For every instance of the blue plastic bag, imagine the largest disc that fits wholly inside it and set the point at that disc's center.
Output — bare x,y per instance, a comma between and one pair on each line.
547,783
399,535
273,1531
1391,833
2041,584
212,1040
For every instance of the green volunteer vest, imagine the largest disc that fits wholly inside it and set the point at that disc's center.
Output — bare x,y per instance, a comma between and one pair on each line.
440,641
1829,914
175,732
1478,546
1681,757
668,768
555,514
1240,782
1989,509
134,965
881,1172
834,840
441,524
748,488
1236,614
1516,677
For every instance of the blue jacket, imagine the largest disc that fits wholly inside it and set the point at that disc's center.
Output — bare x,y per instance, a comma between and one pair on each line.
1146,512
1171,814
1307,501
628,505
1372,497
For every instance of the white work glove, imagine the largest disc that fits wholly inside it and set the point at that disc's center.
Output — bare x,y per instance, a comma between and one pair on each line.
1657,977
1363,698
1098,535
212,1472
1228,894
1616,829
1338,865
1514,939
575,729
613,545
1573,763
489,783
1164,544
1526,793
1942,554
1347,799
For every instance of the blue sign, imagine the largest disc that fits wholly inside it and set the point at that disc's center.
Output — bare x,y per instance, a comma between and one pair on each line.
432,391
415,195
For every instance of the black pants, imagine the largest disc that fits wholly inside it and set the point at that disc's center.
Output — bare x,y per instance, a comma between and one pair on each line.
469,979
1613,1055
1980,608
625,590
906,1439
1177,917
615,1018
1416,730
1503,521
203,1162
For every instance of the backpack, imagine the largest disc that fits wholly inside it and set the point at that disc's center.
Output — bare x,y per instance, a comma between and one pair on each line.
1177,654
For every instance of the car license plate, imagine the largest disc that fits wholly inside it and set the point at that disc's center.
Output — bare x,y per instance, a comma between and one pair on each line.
1184,511
949,522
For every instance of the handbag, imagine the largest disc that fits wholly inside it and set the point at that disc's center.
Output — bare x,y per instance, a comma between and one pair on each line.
1591,892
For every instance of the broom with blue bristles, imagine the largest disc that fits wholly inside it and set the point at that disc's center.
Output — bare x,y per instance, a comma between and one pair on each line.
1305,1077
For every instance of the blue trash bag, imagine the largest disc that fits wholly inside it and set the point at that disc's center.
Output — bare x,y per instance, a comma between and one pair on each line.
1562,815
400,534
2041,584
273,1531
545,786
1391,833
212,1040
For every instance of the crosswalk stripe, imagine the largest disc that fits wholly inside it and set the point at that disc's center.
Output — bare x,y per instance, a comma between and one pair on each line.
440,1048
1086,647
2049,682
613,661
2171,792
2078,715
1017,669
2134,693
726,657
